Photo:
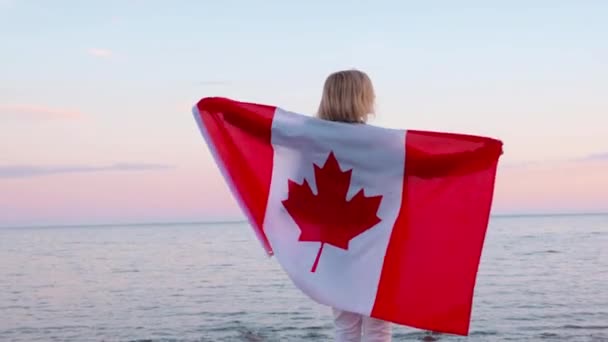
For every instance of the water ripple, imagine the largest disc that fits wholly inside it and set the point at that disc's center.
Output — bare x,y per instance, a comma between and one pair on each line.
539,279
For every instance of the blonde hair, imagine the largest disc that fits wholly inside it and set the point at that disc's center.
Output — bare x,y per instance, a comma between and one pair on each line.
348,96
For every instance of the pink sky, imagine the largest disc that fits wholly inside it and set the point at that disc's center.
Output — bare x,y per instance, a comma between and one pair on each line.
197,192
95,122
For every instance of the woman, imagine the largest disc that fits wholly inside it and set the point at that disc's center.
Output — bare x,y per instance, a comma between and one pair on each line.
348,96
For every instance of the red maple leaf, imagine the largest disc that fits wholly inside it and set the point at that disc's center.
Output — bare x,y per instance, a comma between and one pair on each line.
328,217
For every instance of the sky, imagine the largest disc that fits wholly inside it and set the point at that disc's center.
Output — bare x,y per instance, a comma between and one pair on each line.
96,96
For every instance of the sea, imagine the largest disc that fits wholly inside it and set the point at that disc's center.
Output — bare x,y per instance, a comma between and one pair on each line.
541,278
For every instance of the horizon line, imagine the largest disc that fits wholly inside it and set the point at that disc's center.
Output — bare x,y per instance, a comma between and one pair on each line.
205,222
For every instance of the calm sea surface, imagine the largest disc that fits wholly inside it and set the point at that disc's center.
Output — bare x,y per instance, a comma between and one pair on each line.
540,279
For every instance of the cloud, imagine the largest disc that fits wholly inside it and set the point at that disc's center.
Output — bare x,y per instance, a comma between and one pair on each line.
28,171
599,156
100,53
537,163
213,83
27,111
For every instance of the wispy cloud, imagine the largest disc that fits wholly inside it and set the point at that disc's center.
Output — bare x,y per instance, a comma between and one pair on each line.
26,111
28,171
536,163
100,53
598,156
213,83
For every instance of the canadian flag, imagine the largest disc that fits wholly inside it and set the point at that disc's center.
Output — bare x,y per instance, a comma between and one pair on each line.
383,222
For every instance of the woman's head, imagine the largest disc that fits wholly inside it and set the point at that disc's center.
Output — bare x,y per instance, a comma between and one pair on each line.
348,96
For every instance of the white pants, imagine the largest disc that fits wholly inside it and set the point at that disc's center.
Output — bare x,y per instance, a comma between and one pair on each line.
352,327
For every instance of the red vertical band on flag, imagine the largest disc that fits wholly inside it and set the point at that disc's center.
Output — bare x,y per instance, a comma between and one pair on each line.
432,259
239,136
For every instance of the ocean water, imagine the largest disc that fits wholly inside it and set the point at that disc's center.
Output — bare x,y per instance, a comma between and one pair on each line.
541,278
